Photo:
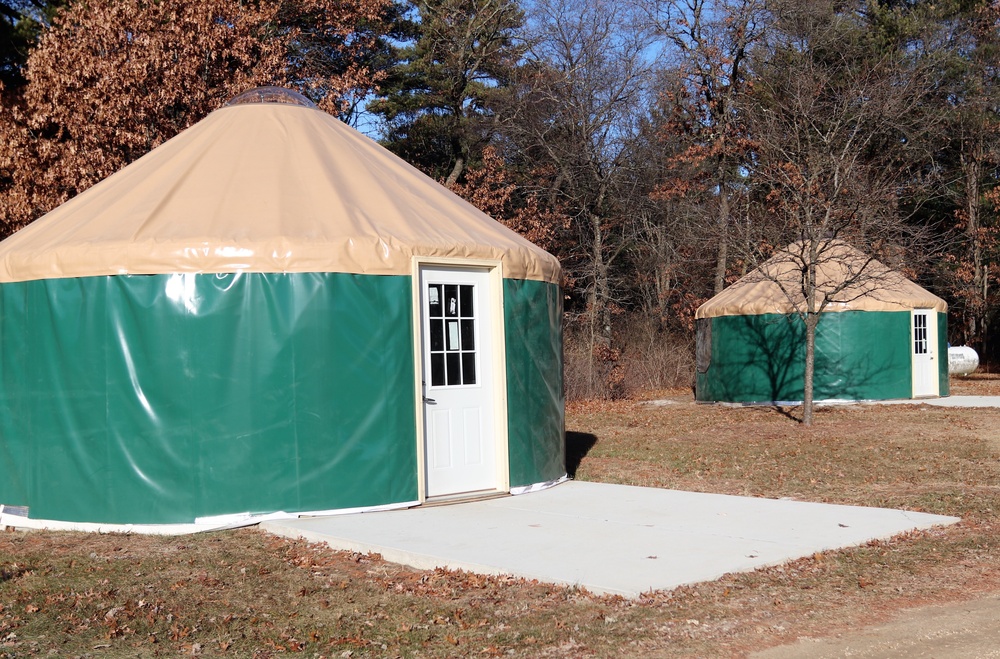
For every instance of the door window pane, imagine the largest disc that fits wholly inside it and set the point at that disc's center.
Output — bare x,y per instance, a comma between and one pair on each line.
465,293
469,368
452,328
468,334
450,300
434,300
437,334
453,341
920,334
454,368
437,370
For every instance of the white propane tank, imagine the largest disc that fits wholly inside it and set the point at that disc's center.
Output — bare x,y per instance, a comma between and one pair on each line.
962,360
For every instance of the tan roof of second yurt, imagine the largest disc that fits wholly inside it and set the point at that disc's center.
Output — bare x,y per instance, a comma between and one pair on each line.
776,286
265,187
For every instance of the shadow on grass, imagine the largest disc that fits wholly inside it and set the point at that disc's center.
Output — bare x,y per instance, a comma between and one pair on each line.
578,444
787,412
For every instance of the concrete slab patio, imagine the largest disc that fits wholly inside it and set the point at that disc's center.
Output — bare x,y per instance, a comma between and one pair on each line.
615,539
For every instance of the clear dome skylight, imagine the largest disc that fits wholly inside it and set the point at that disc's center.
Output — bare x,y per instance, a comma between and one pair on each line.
278,95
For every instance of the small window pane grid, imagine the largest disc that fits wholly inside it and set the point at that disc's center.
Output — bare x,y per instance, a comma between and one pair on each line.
452,319
920,334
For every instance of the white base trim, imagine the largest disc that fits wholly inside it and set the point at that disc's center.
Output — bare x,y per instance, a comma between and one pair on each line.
817,403
538,487
200,524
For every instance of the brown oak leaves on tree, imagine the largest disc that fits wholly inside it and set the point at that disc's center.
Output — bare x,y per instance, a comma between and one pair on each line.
494,189
111,80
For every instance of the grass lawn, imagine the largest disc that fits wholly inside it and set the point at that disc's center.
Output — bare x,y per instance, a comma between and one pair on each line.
244,593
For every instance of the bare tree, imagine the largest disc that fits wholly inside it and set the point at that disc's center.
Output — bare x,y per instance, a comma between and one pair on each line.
711,41
666,234
580,101
833,120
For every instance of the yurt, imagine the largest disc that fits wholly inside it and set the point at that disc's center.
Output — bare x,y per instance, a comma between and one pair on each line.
271,314
880,335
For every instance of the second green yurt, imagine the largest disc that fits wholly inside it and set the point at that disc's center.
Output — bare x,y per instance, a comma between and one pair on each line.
880,336
270,313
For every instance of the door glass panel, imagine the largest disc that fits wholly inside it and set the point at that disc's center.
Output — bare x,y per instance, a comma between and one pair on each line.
467,309
437,370
451,300
469,368
434,300
437,334
454,368
452,328
453,340
920,334
468,334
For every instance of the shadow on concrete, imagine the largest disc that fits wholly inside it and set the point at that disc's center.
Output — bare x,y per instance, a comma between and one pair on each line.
578,444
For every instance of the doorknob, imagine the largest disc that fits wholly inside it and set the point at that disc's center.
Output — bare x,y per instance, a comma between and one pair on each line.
427,401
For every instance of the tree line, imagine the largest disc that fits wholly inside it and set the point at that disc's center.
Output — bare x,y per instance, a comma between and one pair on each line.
659,148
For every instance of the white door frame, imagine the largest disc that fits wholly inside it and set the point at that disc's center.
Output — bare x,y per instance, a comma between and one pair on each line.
495,296
932,356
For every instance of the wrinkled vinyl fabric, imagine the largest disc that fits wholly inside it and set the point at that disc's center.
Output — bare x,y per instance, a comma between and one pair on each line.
265,188
860,355
159,399
944,383
163,398
536,422
776,287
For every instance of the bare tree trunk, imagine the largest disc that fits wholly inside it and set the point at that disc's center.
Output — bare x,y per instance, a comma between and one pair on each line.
664,284
722,255
602,285
812,317
807,388
972,167
592,387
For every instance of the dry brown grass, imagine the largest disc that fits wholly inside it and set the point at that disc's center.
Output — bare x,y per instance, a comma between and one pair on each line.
246,594
646,358
982,383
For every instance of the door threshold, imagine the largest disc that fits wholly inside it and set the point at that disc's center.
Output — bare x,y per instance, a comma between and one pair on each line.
469,497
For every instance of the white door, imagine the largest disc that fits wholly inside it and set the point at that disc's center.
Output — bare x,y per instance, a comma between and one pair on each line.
924,336
459,402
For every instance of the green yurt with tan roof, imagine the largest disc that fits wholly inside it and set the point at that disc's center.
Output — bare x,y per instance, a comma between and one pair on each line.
880,336
270,313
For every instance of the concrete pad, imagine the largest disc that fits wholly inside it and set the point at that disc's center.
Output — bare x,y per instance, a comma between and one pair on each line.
616,539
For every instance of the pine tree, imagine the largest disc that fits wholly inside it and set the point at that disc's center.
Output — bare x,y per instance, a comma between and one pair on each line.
21,24
438,101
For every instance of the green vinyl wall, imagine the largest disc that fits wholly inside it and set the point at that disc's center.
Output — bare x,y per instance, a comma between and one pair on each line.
164,398
535,418
860,355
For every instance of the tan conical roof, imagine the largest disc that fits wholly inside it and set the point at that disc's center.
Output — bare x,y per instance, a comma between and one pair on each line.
265,188
776,286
